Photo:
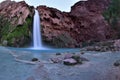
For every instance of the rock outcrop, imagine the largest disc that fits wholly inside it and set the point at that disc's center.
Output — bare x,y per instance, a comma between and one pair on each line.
16,19
56,26
84,23
16,12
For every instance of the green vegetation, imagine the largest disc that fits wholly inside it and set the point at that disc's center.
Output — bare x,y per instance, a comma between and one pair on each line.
112,15
15,35
4,27
113,11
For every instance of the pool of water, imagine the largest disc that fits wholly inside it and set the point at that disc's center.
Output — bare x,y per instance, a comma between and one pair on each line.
99,67
56,50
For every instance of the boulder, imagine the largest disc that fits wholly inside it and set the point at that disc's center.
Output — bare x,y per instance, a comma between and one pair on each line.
69,61
56,60
35,59
117,63
68,55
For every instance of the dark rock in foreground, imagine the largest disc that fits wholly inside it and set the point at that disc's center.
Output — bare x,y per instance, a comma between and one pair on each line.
35,59
117,63
68,59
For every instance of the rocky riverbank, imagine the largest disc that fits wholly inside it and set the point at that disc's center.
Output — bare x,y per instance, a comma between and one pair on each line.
103,46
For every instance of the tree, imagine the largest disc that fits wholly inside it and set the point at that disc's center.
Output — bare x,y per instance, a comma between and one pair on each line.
112,15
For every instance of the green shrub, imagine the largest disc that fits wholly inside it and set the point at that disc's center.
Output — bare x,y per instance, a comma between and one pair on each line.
112,14
13,33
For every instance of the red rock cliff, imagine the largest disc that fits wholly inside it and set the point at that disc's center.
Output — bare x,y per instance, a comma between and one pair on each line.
83,23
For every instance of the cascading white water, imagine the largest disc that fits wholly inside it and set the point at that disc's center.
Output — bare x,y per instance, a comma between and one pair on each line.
37,39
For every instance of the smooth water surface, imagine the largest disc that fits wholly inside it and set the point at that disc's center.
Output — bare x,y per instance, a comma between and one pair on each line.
55,50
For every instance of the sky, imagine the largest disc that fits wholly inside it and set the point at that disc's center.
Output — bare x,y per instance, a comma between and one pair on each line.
63,5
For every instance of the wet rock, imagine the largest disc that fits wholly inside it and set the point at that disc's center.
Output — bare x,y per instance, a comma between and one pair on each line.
83,59
67,56
82,53
76,57
70,61
117,63
56,60
58,53
35,59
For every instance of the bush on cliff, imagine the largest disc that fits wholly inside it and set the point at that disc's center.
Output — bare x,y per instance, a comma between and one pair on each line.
4,27
16,36
113,11
112,15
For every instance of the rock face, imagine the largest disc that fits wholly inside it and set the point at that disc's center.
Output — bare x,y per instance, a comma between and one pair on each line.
56,27
69,29
84,23
14,10
16,19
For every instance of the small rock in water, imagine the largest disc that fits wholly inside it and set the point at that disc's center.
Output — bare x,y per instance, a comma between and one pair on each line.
117,63
58,53
83,59
70,61
56,60
82,53
67,56
77,58
35,59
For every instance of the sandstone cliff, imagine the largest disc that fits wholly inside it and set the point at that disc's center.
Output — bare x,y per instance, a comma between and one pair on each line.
16,21
84,23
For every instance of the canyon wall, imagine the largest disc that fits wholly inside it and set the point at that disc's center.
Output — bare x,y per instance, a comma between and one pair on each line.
84,23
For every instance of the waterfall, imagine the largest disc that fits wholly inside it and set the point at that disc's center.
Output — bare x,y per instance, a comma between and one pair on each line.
37,39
